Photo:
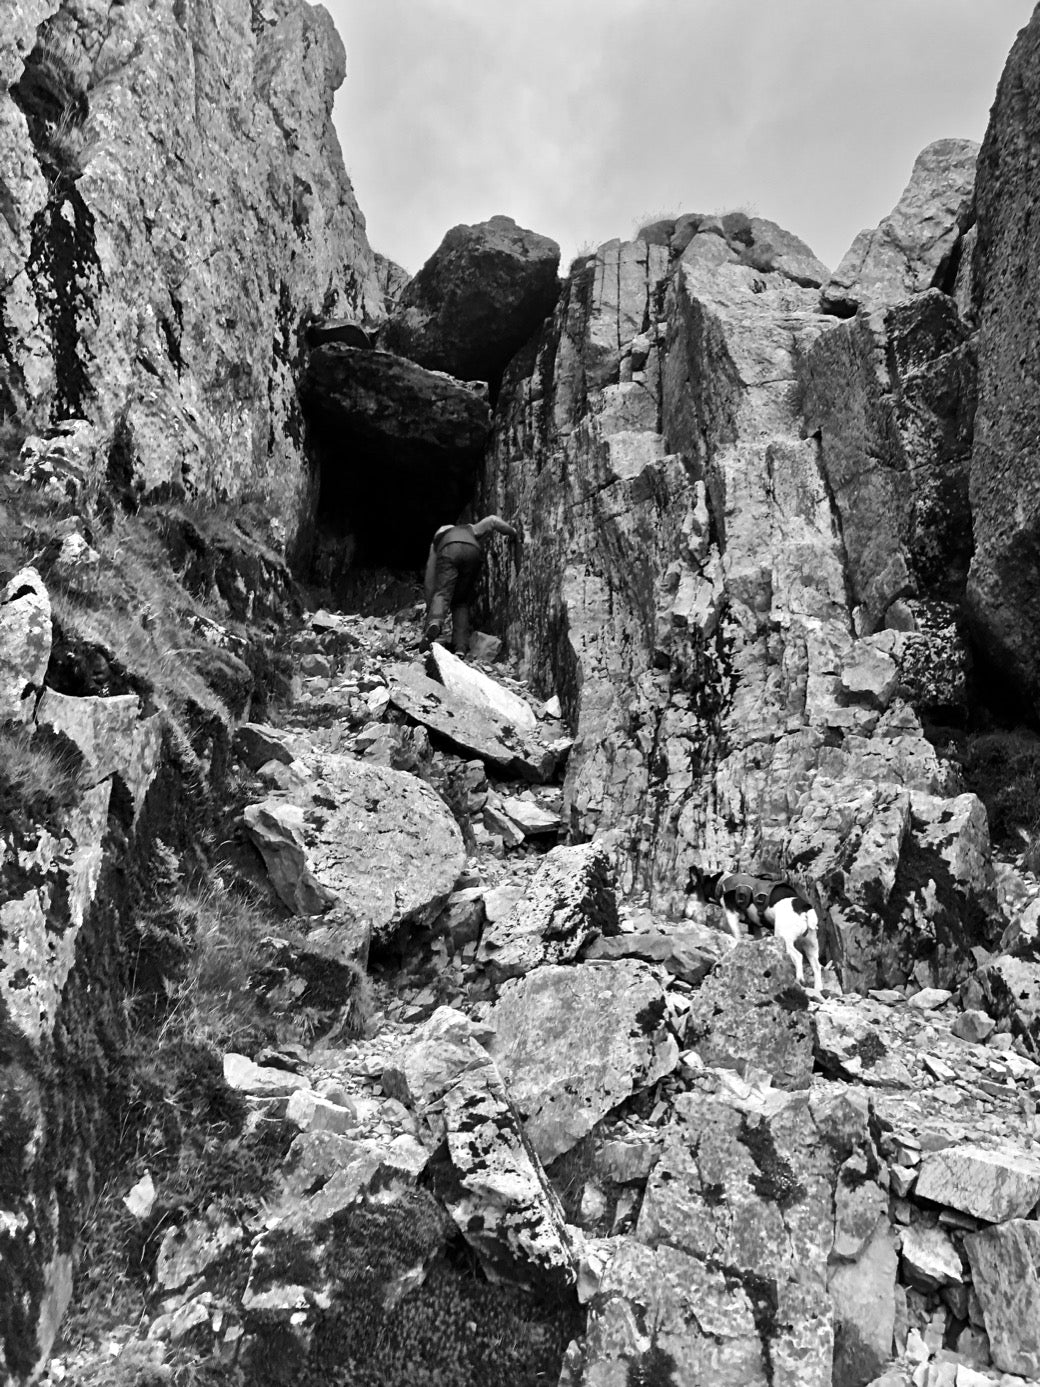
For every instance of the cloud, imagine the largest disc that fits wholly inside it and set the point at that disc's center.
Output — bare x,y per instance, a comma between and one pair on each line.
580,118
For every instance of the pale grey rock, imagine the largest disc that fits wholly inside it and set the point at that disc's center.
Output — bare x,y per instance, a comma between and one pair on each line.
860,1204
468,727
111,736
915,243
773,248
849,1045
474,686
750,1010
658,1310
260,1081
189,1250
1009,988
574,1042
533,820
25,643
930,1259
570,900
863,1294
929,998
1005,1267
994,1184
688,951
974,1026
310,1112
276,828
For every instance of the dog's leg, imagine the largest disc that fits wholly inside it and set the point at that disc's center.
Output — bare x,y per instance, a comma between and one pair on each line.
732,921
811,949
789,926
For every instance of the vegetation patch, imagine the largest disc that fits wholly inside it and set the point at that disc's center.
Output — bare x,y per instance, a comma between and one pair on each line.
1003,769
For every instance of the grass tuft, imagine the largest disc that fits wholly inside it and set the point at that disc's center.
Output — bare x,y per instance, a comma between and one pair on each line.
38,775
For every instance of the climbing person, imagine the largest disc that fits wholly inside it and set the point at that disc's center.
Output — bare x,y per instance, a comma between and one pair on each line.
452,570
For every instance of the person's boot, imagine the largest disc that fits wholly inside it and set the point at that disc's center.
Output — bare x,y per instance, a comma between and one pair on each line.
433,630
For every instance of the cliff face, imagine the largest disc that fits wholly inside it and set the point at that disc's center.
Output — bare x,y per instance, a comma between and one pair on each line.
173,209
742,520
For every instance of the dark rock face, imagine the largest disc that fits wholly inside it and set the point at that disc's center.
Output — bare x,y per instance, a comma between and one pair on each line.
477,300
1004,588
399,445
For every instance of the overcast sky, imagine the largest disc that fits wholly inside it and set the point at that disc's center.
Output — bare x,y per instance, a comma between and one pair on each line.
583,119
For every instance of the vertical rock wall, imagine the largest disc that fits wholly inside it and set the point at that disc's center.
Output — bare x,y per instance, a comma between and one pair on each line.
732,505
173,208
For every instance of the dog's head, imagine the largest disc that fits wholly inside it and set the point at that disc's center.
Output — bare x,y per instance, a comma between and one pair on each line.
704,886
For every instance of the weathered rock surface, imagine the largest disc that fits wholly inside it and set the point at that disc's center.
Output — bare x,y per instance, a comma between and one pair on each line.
573,1042
470,727
1005,494
25,644
378,840
477,300
688,951
1005,1264
475,686
914,248
994,1184
159,259
751,1011
569,902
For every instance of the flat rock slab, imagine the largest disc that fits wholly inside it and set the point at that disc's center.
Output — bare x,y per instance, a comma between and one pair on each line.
991,1183
378,840
704,1328
476,687
111,736
570,900
471,729
574,1042
689,952
1005,1266
751,1011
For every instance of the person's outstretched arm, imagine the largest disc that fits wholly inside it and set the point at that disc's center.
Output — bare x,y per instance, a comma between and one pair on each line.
497,524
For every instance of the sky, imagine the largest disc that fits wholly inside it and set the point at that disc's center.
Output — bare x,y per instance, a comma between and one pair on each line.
584,119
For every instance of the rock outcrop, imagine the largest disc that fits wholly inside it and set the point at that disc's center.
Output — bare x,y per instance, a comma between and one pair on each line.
175,209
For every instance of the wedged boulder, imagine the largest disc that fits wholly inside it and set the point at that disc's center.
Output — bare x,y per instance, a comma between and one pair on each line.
1010,988
570,901
379,840
256,744
661,1316
476,301
751,1011
573,1042
477,687
486,1172
753,1191
1005,1268
25,644
688,951
470,728
1004,587
914,246
990,1183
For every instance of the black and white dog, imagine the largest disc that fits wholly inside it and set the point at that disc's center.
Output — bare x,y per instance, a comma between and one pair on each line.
759,902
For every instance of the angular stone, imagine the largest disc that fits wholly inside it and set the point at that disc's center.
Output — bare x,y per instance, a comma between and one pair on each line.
848,1044
25,643
688,951
750,1011
994,1184
469,728
532,819
312,1113
863,1294
703,1327
930,1259
276,828
973,1026
1005,1267
256,744
474,686
111,736
573,1042
929,998
916,241
1009,988
477,300
569,901
188,1250
242,1074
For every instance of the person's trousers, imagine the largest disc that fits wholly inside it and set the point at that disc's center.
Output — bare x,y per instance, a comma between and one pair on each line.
455,576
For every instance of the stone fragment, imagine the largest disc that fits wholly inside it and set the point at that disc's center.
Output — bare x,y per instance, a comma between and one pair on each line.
256,744
477,300
974,1026
189,1250
25,643
863,1295
471,729
573,1042
474,686
689,951
111,736
569,901
929,998
532,819
990,1183
750,1011
848,1044
242,1074
312,1113
908,251
930,1259
1005,1267
276,828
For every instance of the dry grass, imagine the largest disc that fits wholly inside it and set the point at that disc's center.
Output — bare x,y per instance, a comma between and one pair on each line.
38,777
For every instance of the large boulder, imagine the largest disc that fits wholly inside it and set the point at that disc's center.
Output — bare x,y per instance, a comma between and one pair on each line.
476,301
25,644
1005,1266
574,1042
915,246
1004,589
